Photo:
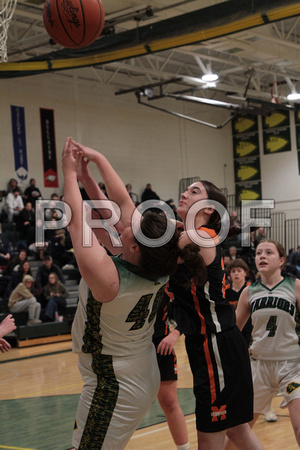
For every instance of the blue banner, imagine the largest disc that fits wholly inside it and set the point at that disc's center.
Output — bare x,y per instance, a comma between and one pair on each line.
19,142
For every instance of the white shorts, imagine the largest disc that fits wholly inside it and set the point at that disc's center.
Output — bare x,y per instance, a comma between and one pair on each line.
271,377
117,393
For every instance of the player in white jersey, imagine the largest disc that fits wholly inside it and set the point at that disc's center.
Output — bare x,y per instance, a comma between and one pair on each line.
113,326
273,302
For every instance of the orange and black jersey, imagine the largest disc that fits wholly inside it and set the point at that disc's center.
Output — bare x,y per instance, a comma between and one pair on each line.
201,309
161,327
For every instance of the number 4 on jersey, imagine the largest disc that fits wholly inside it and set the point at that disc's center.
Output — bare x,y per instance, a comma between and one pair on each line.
271,326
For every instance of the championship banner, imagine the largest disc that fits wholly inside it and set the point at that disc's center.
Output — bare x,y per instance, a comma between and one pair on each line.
49,148
19,142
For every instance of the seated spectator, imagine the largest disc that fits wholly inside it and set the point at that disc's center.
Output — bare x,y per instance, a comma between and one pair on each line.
14,204
174,209
22,299
132,195
53,213
17,277
11,185
26,223
32,193
42,276
15,262
259,236
57,248
55,294
233,252
5,250
234,221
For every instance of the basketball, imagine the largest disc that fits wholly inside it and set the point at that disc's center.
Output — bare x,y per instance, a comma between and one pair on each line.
73,23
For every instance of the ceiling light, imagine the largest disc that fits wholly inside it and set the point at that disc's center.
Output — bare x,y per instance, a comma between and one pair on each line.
294,96
209,77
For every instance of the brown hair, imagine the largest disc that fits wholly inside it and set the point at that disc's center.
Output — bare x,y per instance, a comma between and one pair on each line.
279,247
56,284
163,260
237,263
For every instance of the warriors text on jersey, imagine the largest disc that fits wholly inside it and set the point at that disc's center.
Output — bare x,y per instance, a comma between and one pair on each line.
273,313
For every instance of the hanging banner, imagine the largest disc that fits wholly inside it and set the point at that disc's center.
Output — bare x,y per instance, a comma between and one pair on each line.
49,148
19,142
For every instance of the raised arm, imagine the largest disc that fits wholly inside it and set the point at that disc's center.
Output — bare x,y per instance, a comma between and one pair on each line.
114,185
96,267
95,193
108,213
243,309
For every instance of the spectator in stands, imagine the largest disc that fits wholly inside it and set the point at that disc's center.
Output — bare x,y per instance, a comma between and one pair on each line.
11,185
234,221
172,205
14,204
5,249
132,195
259,236
248,255
57,248
148,194
294,261
15,262
55,294
6,326
32,193
233,253
22,299
26,223
17,277
42,276
53,213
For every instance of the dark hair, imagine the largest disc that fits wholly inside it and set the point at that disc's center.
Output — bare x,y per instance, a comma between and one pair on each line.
237,263
214,193
16,189
163,260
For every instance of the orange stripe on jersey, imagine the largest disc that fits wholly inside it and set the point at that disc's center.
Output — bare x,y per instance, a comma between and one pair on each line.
169,293
198,309
212,234
210,370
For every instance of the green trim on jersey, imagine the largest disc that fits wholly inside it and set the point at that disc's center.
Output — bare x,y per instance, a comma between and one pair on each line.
103,403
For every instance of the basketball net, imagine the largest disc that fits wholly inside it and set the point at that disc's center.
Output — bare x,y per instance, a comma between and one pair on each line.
7,9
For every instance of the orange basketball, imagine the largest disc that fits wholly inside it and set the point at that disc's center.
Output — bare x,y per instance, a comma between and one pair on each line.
74,23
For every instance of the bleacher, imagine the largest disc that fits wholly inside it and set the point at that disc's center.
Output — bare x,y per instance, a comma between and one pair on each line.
27,335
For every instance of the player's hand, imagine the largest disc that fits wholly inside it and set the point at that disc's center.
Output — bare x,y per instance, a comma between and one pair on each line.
71,157
4,346
165,347
88,153
7,325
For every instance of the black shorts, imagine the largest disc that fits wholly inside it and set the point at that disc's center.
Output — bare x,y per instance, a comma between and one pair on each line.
223,388
167,364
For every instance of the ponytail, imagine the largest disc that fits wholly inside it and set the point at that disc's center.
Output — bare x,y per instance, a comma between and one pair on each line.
191,257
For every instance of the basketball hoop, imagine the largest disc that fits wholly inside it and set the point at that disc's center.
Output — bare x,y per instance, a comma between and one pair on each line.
7,9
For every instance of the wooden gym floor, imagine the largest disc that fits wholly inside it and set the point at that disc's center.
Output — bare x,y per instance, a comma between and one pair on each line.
39,391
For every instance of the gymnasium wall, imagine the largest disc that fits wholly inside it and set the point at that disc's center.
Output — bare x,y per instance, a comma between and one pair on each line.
145,146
